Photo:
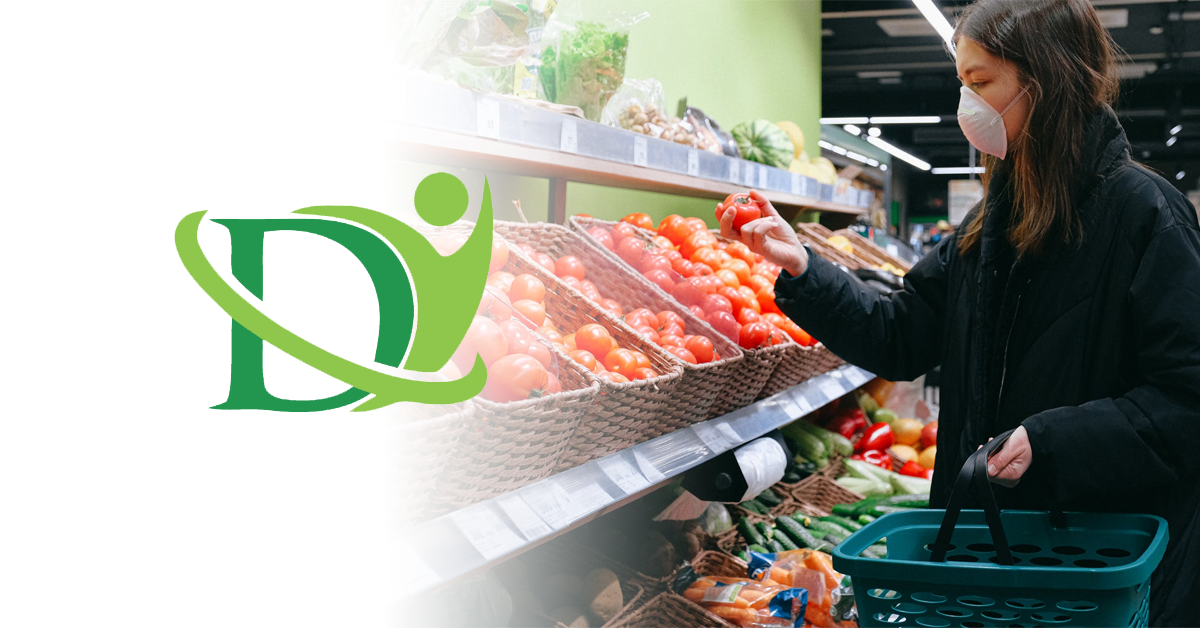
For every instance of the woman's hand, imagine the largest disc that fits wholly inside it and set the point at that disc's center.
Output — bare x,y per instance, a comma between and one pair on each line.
1012,461
769,236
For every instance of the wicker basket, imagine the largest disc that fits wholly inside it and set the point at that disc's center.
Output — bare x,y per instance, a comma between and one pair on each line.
572,559
700,385
818,495
709,563
816,235
798,364
427,442
835,470
746,381
625,414
669,610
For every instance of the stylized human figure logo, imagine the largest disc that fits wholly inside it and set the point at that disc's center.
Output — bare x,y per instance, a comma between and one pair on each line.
448,289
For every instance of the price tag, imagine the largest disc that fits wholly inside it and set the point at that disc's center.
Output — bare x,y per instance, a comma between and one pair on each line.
583,501
489,118
748,176
796,184
693,163
569,142
735,171
808,187
530,524
623,474
831,388
893,250
487,532
716,440
639,151
541,499
762,177
648,469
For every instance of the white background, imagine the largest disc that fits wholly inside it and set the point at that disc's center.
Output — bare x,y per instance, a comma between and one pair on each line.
123,499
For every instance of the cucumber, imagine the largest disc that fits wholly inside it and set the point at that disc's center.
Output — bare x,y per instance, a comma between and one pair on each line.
801,535
843,522
745,558
766,530
753,507
865,519
821,528
758,548
873,552
810,447
769,498
833,441
887,510
777,547
834,539
785,541
906,501
844,510
750,533
802,518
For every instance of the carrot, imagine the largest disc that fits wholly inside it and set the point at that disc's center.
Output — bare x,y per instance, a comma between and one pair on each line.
822,562
819,618
781,575
739,616
695,594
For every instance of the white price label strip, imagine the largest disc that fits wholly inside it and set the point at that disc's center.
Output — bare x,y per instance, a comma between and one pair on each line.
541,499
831,388
748,176
802,402
529,522
487,532
762,177
489,118
795,184
639,151
648,469
583,501
693,163
569,142
735,171
623,474
715,439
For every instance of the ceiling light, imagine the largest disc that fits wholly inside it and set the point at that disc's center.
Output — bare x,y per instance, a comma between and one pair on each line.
883,167
856,157
826,32
896,152
975,170
1156,30
827,146
1171,140
1113,18
853,130
1180,175
875,74
1176,129
891,81
874,131
906,120
937,20
845,120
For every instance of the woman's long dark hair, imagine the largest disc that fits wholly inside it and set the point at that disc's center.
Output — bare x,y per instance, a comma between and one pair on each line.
1068,61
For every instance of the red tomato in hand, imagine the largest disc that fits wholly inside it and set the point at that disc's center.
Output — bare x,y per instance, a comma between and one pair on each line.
724,323
527,287
621,361
631,250
604,237
682,354
585,359
545,261
515,377
700,347
660,278
716,303
499,255
754,335
495,306
594,339
640,220
744,207
483,338
570,266
531,310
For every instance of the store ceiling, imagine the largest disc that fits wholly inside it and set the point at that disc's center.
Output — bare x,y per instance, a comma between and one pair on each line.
881,58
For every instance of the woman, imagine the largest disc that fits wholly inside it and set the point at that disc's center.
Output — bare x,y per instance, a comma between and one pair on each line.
1067,306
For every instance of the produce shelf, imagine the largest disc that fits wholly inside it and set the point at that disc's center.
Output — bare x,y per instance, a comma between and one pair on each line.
474,539
448,125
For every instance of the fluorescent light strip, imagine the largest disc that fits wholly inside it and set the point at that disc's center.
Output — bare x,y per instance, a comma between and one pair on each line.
1171,140
896,152
938,20
906,120
976,170
1176,129
856,157
836,121
852,130
833,147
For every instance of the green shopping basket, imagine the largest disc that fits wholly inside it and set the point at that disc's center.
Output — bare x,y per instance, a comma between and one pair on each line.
957,567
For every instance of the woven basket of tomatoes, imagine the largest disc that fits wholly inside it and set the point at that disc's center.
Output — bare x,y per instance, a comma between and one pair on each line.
725,284
519,427
707,359
636,378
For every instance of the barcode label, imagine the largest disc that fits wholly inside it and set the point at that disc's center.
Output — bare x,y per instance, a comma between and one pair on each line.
569,143
693,163
796,184
540,498
530,524
583,501
735,173
487,532
489,118
716,440
762,177
639,151
622,474
748,176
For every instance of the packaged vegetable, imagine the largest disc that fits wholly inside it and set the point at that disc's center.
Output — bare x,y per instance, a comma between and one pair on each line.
708,130
748,603
639,106
716,520
804,569
585,65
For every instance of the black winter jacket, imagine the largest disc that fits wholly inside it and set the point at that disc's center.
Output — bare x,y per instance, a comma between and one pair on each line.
1094,349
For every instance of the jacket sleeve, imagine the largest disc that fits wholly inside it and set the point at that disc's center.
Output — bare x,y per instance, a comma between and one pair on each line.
1119,450
896,336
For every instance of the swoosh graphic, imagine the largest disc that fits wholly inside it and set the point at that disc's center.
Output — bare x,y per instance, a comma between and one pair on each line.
387,389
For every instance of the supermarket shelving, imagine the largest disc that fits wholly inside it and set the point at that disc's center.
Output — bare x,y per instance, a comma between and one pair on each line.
471,540
445,124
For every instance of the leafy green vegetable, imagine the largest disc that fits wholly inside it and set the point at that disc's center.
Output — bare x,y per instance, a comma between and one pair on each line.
587,67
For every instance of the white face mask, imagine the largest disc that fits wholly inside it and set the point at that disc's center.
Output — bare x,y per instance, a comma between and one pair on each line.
982,125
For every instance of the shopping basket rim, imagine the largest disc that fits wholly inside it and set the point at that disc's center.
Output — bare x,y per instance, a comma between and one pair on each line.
848,560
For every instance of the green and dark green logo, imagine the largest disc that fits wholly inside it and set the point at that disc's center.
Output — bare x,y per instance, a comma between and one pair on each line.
401,262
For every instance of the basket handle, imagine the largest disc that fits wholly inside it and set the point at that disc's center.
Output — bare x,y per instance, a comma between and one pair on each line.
975,472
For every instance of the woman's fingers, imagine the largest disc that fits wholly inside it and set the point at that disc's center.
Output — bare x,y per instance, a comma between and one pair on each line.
727,217
757,231
767,208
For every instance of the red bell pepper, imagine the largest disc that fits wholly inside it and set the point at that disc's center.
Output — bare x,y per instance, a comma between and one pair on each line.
877,437
877,457
915,470
848,423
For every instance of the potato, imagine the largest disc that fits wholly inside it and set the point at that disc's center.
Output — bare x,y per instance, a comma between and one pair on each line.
602,594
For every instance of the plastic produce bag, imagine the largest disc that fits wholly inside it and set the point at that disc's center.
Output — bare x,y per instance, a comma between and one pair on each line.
585,64
716,519
748,603
639,106
709,134
805,569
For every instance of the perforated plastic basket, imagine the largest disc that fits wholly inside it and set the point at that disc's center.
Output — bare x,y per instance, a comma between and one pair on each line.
1069,569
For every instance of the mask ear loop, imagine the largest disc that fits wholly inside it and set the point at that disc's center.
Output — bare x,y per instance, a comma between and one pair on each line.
1010,106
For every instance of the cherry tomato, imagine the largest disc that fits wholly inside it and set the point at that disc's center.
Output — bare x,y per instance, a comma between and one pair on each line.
654,261
723,259
754,335
603,236
736,298
660,278
641,317
643,361
585,359
483,338
701,270
612,306
594,339
727,277
527,287
621,361
545,261
682,354
570,266
700,347
590,290
682,266
499,255
613,378
531,310
670,340
515,377
716,303
495,306
724,323
541,353
645,373
712,285
739,268
639,220
746,315
705,255
631,250
622,230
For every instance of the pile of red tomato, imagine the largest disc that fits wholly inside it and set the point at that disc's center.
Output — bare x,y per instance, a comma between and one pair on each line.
725,284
